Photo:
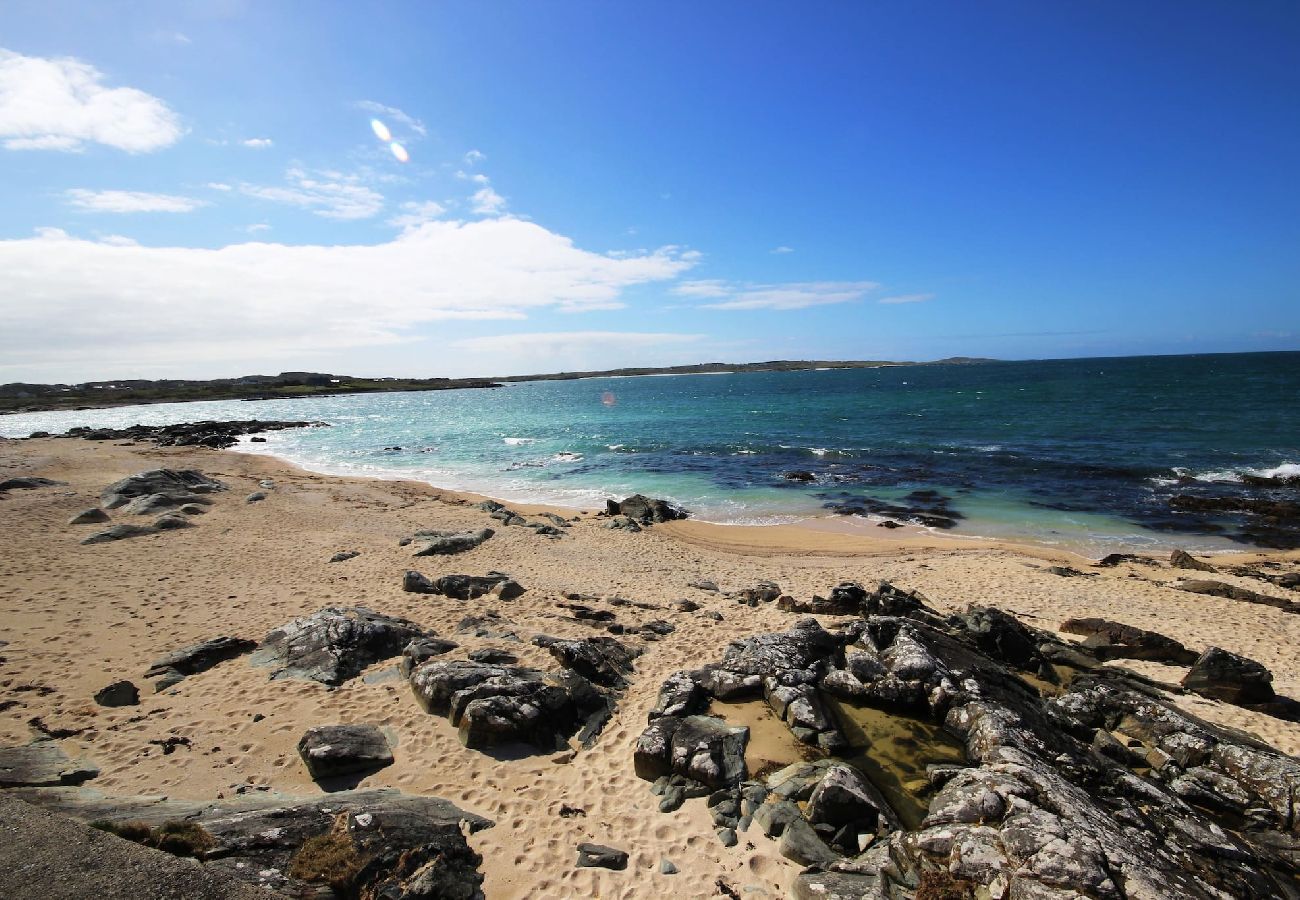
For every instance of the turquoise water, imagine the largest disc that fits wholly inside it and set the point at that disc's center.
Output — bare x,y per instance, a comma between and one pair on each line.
1079,452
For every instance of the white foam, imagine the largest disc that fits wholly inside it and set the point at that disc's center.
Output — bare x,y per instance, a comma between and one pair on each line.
516,441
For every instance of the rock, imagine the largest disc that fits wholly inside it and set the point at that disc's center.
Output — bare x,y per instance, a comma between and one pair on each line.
1181,559
704,584
799,476
171,523
28,483
601,856
119,693
167,679
1113,640
255,497
801,843
493,656
192,509
422,649
652,756
165,482
200,657
774,815
845,798
666,867
89,517
763,592
464,587
150,504
1232,592
118,533
708,750
344,556
686,606
332,750
335,644
624,523
1225,676
42,764
446,543
646,511
680,695
601,660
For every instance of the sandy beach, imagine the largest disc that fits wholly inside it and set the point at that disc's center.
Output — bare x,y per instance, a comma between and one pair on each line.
76,618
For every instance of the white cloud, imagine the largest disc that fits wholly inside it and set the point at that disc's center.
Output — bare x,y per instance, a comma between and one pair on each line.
91,309
332,195
258,228
218,186
129,201
474,157
782,250
393,114
62,104
488,202
414,214
258,143
796,295
907,298
119,240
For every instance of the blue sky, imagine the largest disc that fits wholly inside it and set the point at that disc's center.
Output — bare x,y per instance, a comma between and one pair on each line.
196,189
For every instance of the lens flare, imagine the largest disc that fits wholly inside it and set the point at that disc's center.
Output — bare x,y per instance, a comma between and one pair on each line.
609,399
381,130
400,152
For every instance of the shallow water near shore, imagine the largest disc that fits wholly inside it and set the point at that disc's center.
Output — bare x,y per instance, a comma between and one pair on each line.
1079,454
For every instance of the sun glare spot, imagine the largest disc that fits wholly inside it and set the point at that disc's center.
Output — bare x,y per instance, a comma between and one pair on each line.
400,152
381,130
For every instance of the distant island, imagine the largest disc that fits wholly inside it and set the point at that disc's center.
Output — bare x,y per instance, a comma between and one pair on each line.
21,397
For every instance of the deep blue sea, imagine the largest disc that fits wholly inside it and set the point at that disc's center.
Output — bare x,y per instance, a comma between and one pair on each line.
1086,453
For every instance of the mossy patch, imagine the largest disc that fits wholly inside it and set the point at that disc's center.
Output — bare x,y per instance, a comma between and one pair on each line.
178,838
327,859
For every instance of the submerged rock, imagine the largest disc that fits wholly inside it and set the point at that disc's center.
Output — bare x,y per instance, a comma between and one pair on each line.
335,644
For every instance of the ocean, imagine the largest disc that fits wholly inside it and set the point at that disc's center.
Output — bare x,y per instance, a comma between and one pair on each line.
1089,454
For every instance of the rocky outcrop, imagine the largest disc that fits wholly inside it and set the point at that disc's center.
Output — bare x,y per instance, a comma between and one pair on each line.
159,482
645,510
119,533
464,587
1093,785
1113,640
200,657
28,483
42,764
1232,592
446,543
600,660
334,644
382,843
332,750
152,504
1225,676
422,649
1181,559
215,435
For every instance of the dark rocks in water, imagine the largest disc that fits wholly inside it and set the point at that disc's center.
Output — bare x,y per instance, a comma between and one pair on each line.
199,657
28,483
1113,640
332,750
927,508
799,476
42,764
119,533
645,510
422,649
335,644
214,435
1232,592
119,693
464,587
1225,676
344,556
598,855
1181,559
601,660
446,543
492,705
888,523
404,847
164,482
90,516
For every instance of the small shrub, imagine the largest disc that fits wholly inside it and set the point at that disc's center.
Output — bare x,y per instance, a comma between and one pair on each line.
176,837
138,832
939,884
327,858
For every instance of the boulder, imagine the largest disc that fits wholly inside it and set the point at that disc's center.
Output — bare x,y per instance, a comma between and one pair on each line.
708,750
845,798
422,649
1113,640
1181,559
119,693
332,750
464,587
446,543
171,523
1225,676
601,660
166,482
91,516
335,644
601,856
344,556
645,510
119,533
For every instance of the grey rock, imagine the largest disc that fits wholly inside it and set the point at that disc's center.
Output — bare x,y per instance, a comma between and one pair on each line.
802,844
90,516
598,855
335,644
680,695
1225,676
493,656
601,660
844,797
119,693
200,657
118,533
255,497
150,504
422,649
171,523
166,482
623,523
704,584
464,587
666,867
332,750
645,510
344,556
1113,640
42,764
446,543
775,815
708,750
1181,559
28,483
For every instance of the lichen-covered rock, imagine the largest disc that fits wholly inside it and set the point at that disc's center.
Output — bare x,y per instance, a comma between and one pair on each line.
335,644
708,750
601,660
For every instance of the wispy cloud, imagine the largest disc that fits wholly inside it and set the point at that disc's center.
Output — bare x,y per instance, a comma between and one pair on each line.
417,213
330,194
63,104
393,114
473,158
188,310
258,228
488,202
782,250
258,143
218,186
129,201
795,295
907,298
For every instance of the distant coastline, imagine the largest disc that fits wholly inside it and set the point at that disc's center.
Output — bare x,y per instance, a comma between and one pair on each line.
22,397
